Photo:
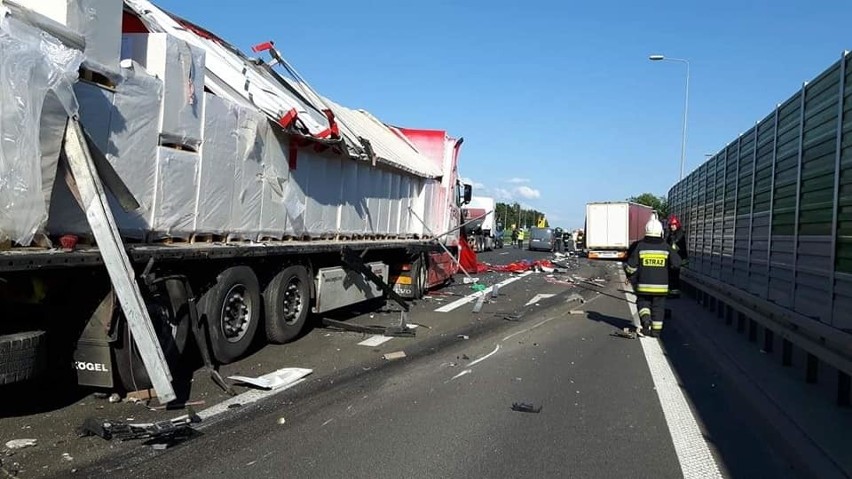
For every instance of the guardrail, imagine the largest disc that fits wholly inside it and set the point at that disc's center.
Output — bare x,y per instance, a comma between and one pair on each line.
821,342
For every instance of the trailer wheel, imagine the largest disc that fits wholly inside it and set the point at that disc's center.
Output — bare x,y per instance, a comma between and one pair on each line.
286,302
232,309
22,356
170,318
419,277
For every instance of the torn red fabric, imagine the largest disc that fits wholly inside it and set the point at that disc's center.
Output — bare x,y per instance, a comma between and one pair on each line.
467,257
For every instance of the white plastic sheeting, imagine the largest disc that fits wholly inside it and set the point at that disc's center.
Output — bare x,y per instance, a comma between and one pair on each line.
248,175
99,21
275,183
177,176
389,145
180,66
32,65
219,153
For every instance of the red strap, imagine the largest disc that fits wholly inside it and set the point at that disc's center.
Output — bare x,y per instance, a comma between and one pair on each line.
294,153
288,118
332,130
262,47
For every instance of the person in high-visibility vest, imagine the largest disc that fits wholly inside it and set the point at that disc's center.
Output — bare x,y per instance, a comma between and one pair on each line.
648,265
521,239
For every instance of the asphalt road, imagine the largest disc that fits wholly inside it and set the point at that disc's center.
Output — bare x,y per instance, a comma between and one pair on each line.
447,412
445,409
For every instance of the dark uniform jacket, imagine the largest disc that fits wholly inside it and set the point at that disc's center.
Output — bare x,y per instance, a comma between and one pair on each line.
677,240
650,261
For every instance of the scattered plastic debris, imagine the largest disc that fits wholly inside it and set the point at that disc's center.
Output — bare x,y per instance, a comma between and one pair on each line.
526,407
275,380
282,421
67,457
15,444
463,336
114,398
179,427
394,355
478,287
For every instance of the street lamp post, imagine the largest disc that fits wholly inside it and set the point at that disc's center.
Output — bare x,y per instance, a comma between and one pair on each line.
657,58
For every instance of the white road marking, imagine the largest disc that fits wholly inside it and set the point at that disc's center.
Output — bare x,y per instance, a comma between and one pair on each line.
483,358
473,296
696,460
243,399
541,323
538,298
375,340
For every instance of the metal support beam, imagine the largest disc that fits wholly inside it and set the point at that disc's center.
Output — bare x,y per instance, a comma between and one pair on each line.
751,210
119,268
798,195
772,204
837,170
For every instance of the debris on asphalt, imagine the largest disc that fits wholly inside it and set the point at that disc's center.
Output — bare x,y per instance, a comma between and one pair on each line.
101,395
67,457
526,407
624,333
469,280
275,380
172,407
140,396
465,357
235,405
124,431
479,287
394,355
495,291
512,317
599,280
114,398
576,312
477,307
15,444
281,421
463,336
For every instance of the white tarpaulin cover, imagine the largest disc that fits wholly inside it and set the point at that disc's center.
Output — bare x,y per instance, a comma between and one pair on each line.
32,65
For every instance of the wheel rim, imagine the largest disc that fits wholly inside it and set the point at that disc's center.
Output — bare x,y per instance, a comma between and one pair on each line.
237,311
292,301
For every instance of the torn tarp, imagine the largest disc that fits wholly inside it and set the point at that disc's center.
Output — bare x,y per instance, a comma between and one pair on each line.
33,67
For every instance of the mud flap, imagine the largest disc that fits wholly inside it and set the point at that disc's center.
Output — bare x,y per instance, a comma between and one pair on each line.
93,354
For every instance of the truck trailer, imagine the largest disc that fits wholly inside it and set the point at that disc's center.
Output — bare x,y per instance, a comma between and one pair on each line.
233,198
611,227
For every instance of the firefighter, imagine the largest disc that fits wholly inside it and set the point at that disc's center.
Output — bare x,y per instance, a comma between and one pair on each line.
648,265
676,238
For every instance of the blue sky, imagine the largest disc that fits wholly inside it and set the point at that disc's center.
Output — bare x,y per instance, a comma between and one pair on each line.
556,100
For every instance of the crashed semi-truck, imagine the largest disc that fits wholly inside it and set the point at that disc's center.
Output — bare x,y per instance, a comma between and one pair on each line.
161,187
480,227
611,227
768,222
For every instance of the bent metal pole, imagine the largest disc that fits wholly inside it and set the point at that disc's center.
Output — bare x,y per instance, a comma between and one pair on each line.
442,244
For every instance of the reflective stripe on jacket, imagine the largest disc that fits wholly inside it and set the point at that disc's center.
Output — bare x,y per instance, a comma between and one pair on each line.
650,261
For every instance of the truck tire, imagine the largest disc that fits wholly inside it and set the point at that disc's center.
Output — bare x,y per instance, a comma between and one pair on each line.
171,323
419,277
232,311
22,356
286,304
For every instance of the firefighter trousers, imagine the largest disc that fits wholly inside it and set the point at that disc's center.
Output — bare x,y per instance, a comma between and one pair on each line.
652,311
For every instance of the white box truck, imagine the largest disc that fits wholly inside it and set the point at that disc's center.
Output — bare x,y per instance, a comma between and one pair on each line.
611,227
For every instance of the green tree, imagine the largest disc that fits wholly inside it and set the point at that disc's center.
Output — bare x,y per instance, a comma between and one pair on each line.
659,203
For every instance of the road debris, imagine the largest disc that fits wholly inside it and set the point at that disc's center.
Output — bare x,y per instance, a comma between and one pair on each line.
114,398
67,457
140,396
624,333
281,421
463,336
526,407
172,407
179,427
394,355
477,307
275,380
16,444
